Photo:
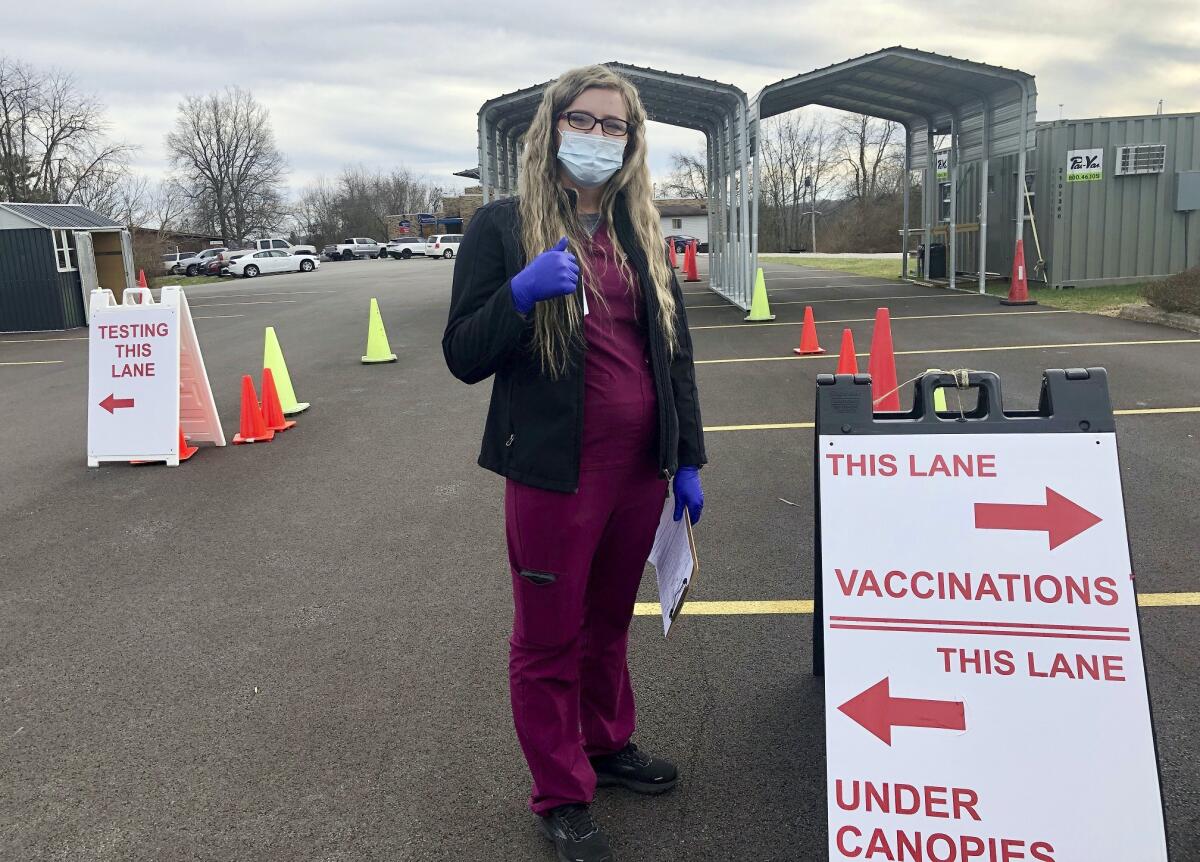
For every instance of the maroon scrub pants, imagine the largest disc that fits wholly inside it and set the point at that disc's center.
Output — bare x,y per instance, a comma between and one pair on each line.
577,560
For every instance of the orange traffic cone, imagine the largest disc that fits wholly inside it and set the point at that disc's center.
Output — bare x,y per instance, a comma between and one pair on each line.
671,254
142,278
847,360
1018,286
272,409
882,364
253,428
185,451
689,263
808,336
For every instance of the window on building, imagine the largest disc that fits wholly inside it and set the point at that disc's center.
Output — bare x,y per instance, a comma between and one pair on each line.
676,224
944,202
64,250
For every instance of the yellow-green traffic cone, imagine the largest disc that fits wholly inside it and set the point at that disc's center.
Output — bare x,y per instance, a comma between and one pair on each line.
273,359
760,309
939,400
378,349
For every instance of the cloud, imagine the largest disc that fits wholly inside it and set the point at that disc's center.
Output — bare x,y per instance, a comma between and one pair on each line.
384,85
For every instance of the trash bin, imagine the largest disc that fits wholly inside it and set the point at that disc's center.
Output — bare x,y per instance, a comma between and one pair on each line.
937,260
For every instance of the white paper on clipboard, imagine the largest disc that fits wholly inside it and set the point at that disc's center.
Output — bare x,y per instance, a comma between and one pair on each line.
673,556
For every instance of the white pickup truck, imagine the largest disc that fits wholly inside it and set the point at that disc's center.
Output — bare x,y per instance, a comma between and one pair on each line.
274,242
355,246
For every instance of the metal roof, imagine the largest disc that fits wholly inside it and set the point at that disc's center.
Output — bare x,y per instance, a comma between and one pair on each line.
918,89
66,216
669,97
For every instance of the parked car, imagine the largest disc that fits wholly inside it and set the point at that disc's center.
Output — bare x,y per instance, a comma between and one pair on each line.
442,245
255,263
219,265
405,247
681,243
274,242
352,247
230,257
171,261
191,265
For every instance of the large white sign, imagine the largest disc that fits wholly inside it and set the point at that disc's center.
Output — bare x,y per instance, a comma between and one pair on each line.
133,381
985,692
147,383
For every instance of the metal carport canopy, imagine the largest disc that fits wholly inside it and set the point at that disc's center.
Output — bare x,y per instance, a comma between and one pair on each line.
720,111
987,110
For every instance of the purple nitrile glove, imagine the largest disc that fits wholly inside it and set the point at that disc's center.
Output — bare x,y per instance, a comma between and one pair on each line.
688,493
552,273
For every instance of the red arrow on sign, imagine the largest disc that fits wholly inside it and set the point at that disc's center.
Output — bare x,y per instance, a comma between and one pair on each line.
110,403
877,711
1062,519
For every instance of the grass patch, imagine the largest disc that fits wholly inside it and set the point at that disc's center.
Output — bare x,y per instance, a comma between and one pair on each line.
872,267
1091,300
182,280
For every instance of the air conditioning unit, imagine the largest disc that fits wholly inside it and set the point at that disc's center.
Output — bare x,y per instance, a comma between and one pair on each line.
1140,159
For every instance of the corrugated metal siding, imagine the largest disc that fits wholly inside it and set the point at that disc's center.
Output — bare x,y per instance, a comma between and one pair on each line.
1118,228
61,215
34,295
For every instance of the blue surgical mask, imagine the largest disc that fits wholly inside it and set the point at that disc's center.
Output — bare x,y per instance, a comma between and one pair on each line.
590,159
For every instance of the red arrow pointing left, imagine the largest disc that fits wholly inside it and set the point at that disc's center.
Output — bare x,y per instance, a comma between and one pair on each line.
877,711
110,403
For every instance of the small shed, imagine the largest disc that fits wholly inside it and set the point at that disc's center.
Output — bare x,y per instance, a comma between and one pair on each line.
51,257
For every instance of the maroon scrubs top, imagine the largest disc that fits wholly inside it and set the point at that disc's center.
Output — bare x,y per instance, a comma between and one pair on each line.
620,420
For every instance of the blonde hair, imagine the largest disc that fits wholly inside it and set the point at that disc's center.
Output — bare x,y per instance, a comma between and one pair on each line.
547,215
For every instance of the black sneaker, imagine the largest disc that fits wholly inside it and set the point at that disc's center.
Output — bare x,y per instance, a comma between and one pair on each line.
634,770
575,834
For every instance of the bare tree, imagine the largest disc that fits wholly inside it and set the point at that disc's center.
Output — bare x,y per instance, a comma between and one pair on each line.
52,138
868,150
688,177
796,164
224,150
359,201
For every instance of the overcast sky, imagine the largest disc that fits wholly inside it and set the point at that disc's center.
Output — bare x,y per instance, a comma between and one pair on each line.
384,84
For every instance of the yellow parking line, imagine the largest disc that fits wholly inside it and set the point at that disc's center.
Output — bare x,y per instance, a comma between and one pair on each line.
773,426
1147,411
805,606
848,299
793,426
962,350
894,317
38,362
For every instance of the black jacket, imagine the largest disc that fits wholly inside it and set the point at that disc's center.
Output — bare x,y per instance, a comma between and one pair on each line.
534,426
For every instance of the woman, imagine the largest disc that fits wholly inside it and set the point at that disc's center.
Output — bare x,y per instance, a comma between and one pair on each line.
565,295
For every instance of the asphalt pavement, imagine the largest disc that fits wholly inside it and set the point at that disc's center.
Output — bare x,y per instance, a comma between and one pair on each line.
298,650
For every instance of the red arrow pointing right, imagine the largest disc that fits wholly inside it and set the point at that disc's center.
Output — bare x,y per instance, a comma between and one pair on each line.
877,711
1061,518
112,404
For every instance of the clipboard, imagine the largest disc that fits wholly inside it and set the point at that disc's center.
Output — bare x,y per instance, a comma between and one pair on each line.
675,562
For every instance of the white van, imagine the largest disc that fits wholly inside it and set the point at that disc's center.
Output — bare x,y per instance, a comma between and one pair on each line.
442,245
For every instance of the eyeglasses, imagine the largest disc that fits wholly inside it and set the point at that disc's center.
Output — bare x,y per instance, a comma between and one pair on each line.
585,122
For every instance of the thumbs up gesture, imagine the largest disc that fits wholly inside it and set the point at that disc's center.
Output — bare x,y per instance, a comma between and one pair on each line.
552,273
